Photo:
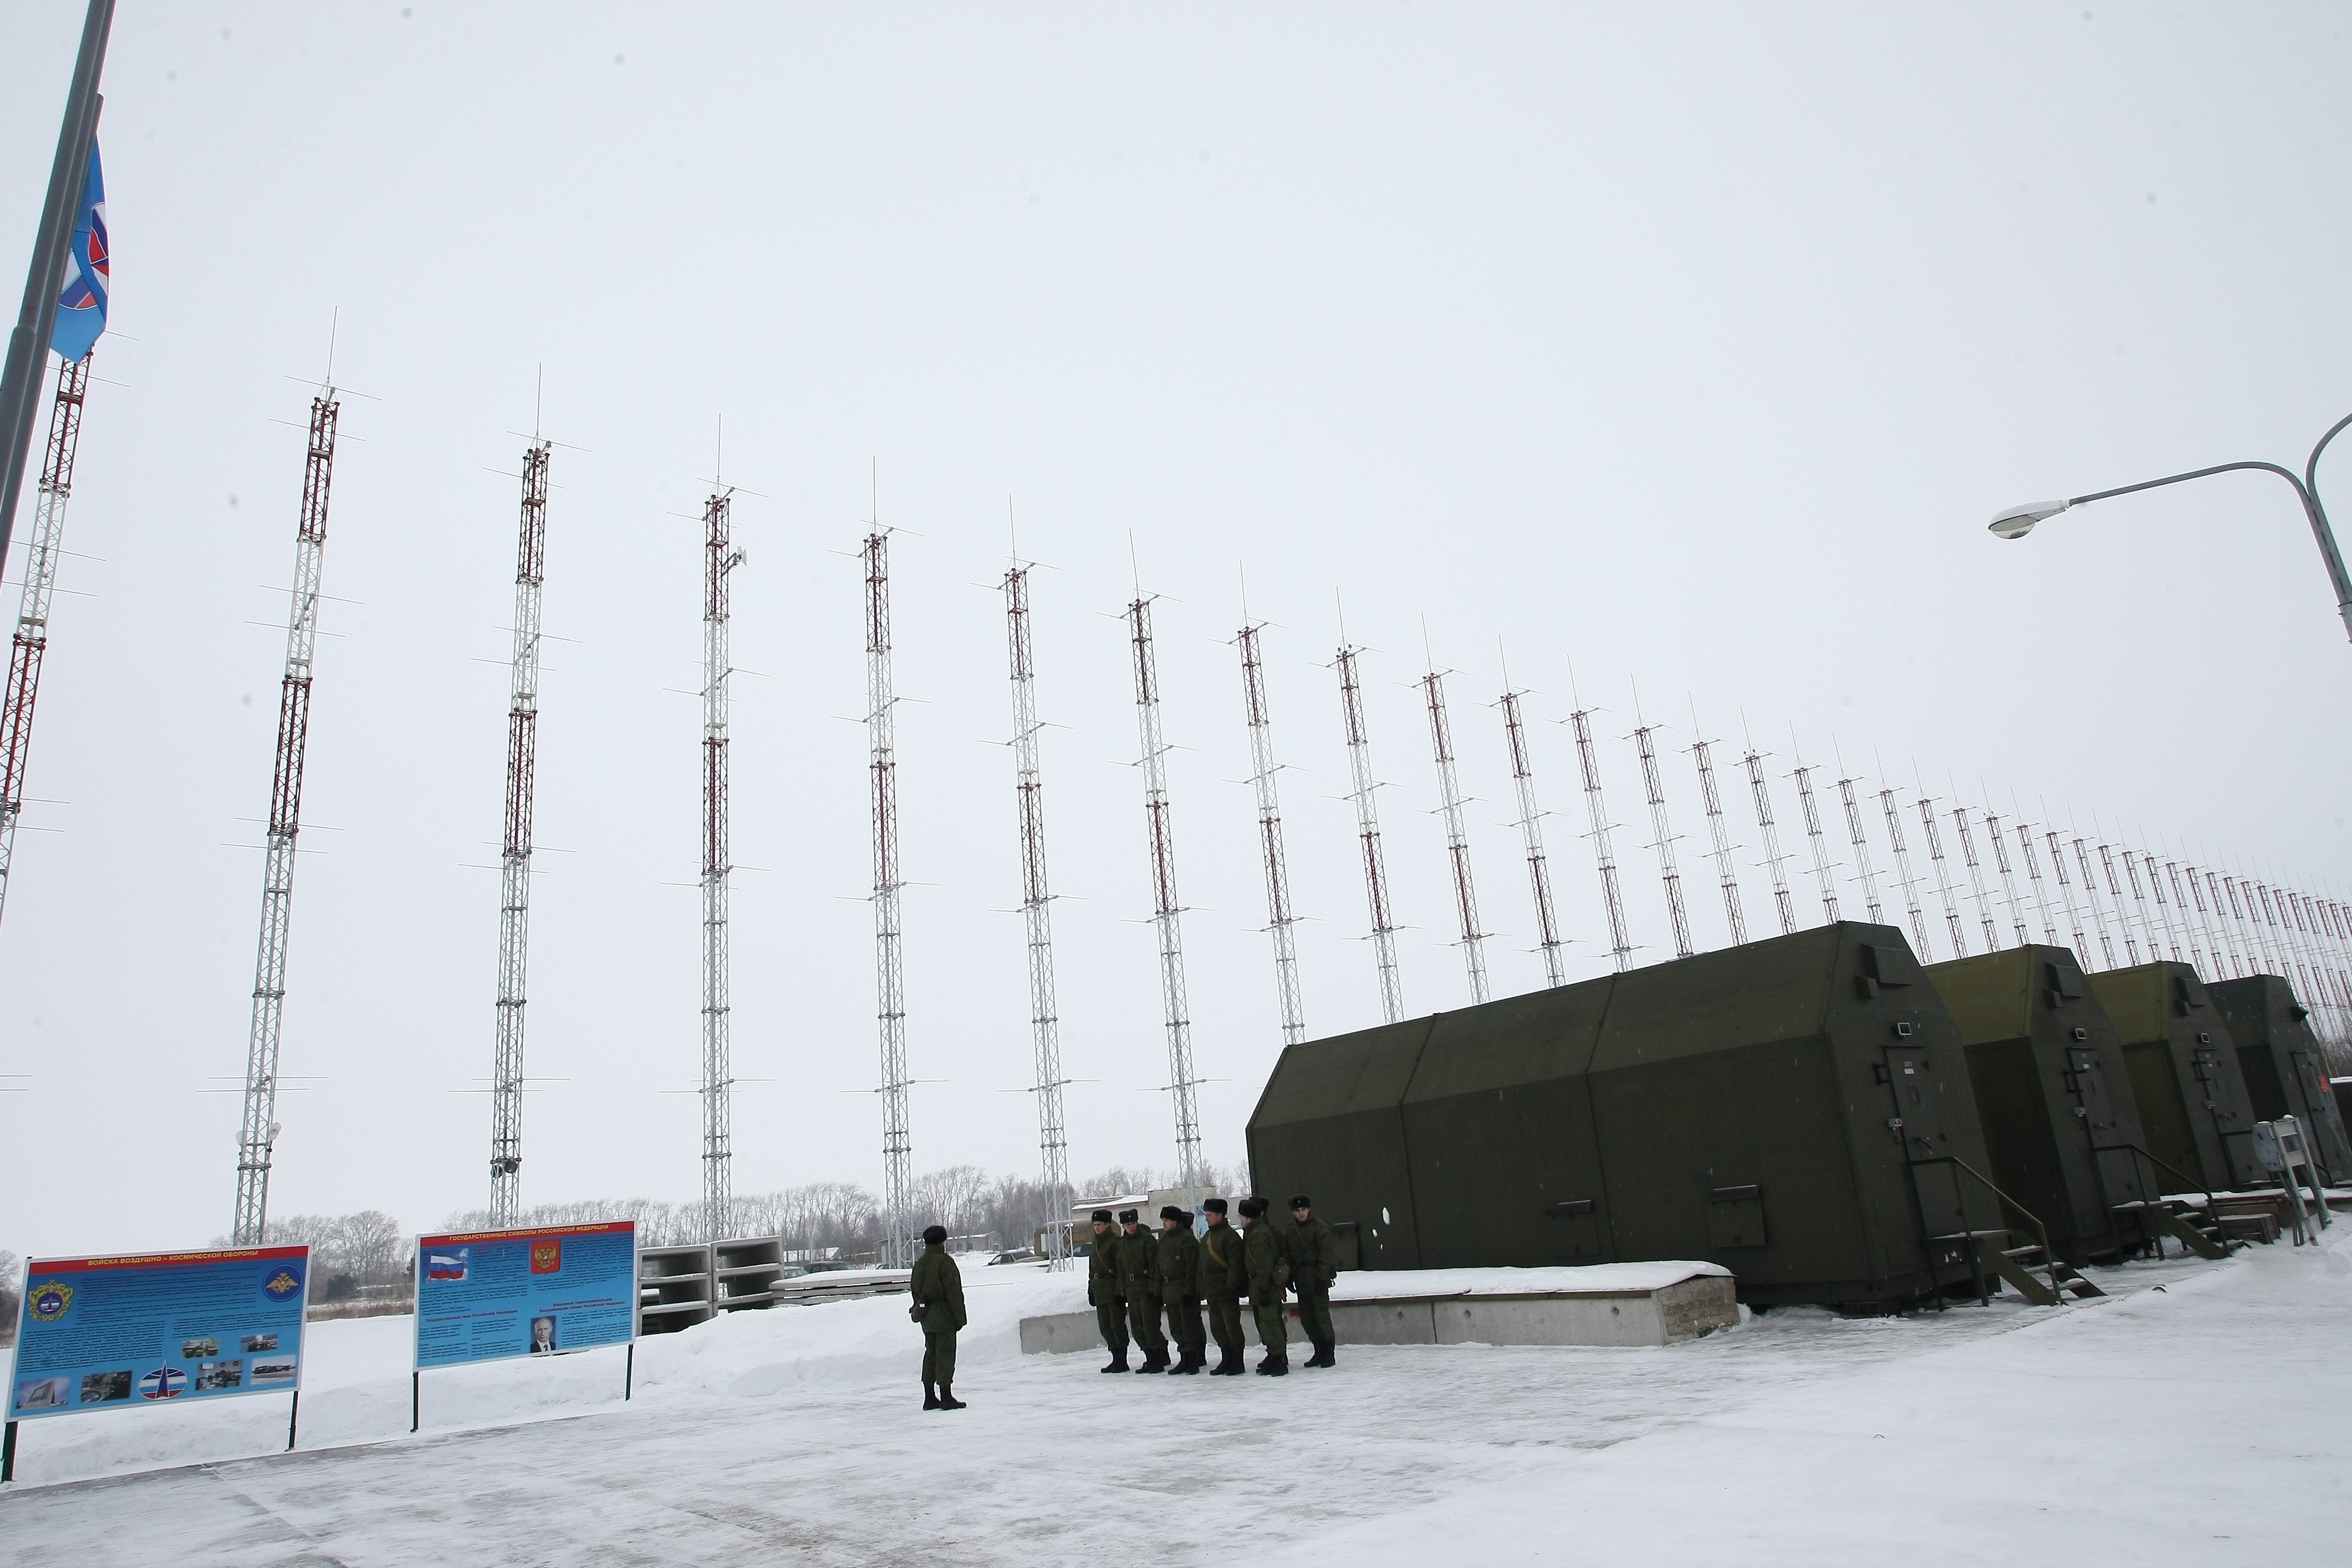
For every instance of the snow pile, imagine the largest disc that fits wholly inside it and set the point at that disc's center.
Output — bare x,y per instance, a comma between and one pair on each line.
1608,1278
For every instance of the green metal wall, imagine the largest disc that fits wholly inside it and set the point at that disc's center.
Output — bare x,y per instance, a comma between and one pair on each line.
2285,1069
2184,1072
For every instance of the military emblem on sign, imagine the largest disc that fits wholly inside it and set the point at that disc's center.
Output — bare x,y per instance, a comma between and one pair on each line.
547,1257
282,1285
50,1301
164,1383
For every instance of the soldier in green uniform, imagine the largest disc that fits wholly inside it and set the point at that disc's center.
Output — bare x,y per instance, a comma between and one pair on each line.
1139,1281
937,1285
1223,1281
1266,1264
1314,1264
1103,1292
1178,1264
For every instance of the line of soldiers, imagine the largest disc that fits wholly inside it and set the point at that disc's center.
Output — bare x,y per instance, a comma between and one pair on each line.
1136,1279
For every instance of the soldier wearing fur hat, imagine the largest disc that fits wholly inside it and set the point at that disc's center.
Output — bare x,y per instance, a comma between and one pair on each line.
1265,1262
1225,1280
1139,1281
937,1285
1179,1263
1314,1266
1103,1292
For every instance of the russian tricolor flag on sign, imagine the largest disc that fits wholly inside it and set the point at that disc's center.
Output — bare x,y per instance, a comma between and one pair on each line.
447,1266
81,300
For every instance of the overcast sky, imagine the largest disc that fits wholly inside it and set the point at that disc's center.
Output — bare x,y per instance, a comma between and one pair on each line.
1693,345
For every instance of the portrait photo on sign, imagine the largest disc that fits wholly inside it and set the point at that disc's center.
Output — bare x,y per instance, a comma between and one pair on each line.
212,1374
252,1342
543,1336
196,1350
105,1387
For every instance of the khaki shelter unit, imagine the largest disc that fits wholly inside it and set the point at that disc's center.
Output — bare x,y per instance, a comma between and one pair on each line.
1792,1109
2285,1069
2185,1076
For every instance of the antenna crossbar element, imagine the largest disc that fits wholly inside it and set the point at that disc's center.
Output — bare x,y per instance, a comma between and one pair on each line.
1668,874
42,547
1457,836
1957,934
1368,833
1530,825
1166,913
1279,918
889,984
258,1136
1967,839
1822,865
514,864
1860,852
719,560
1732,915
1621,947
1037,918
1784,905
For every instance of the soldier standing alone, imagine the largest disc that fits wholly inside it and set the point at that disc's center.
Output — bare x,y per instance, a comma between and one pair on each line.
1266,1263
1314,1264
1102,1291
1138,1280
1178,1264
1223,1279
937,1285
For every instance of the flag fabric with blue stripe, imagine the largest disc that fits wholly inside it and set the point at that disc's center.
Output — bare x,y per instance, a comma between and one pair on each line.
81,302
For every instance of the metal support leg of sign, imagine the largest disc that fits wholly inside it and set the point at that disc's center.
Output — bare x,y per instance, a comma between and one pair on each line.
8,1455
293,1415
629,1373
415,1397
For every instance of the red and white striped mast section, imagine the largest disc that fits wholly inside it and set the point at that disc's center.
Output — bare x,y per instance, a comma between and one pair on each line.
1279,917
514,866
719,560
889,982
1523,783
1457,836
1037,914
43,546
257,1134
1167,914
1368,828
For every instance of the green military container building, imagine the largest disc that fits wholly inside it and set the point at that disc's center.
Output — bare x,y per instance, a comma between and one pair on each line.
2184,1074
2285,1069
1789,1108
2053,1093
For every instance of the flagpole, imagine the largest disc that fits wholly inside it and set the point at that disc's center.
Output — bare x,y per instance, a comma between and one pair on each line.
28,344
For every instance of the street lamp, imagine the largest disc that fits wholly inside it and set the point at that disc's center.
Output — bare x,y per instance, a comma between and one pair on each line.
2018,521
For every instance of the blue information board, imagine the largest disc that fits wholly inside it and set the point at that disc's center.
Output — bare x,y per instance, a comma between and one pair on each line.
486,1295
113,1334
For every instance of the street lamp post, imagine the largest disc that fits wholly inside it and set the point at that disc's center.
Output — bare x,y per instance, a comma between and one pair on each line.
2018,521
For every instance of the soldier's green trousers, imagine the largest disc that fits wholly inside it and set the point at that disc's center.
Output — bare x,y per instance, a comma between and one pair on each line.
1225,1322
1184,1324
1110,1321
939,1356
1272,1331
1315,1313
1143,1323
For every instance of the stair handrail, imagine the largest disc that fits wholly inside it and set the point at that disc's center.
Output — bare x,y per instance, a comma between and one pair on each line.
2049,1259
2137,1155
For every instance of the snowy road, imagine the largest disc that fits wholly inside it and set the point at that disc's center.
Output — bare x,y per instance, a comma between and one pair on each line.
2209,1422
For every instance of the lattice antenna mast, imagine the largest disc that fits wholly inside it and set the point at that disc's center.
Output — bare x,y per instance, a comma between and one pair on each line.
1868,877
1905,878
2008,877
2033,876
2221,922
1732,915
1367,830
514,864
2139,903
2098,914
1279,916
2273,907
2163,910
258,1136
1620,949
1783,904
1669,875
2201,952
1967,838
42,547
1953,930
1037,915
2251,938
721,557
1457,836
1523,783
2066,890
2205,924
1167,914
1822,865
889,982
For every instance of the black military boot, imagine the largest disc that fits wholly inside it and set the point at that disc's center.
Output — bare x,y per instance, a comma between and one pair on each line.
1154,1361
1322,1356
1224,1367
1118,1363
948,1401
930,1399
1192,1362
1281,1365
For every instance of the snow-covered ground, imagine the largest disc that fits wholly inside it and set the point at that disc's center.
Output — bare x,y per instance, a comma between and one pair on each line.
2202,1416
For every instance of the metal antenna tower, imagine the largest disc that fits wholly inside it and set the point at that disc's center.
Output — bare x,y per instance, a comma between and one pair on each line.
2260,961
1967,839
2210,965
891,1002
1952,927
258,1136
1262,768
1821,863
1457,836
1367,830
2098,914
1166,912
1621,950
2221,922
2139,900
1036,913
1668,876
1783,905
2008,877
1860,852
2163,907
2034,875
1905,880
2066,890
1523,781
42,549
1733,916
719,560
514,864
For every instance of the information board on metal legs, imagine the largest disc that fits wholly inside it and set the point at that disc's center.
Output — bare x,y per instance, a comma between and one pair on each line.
486,1295
113,1334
